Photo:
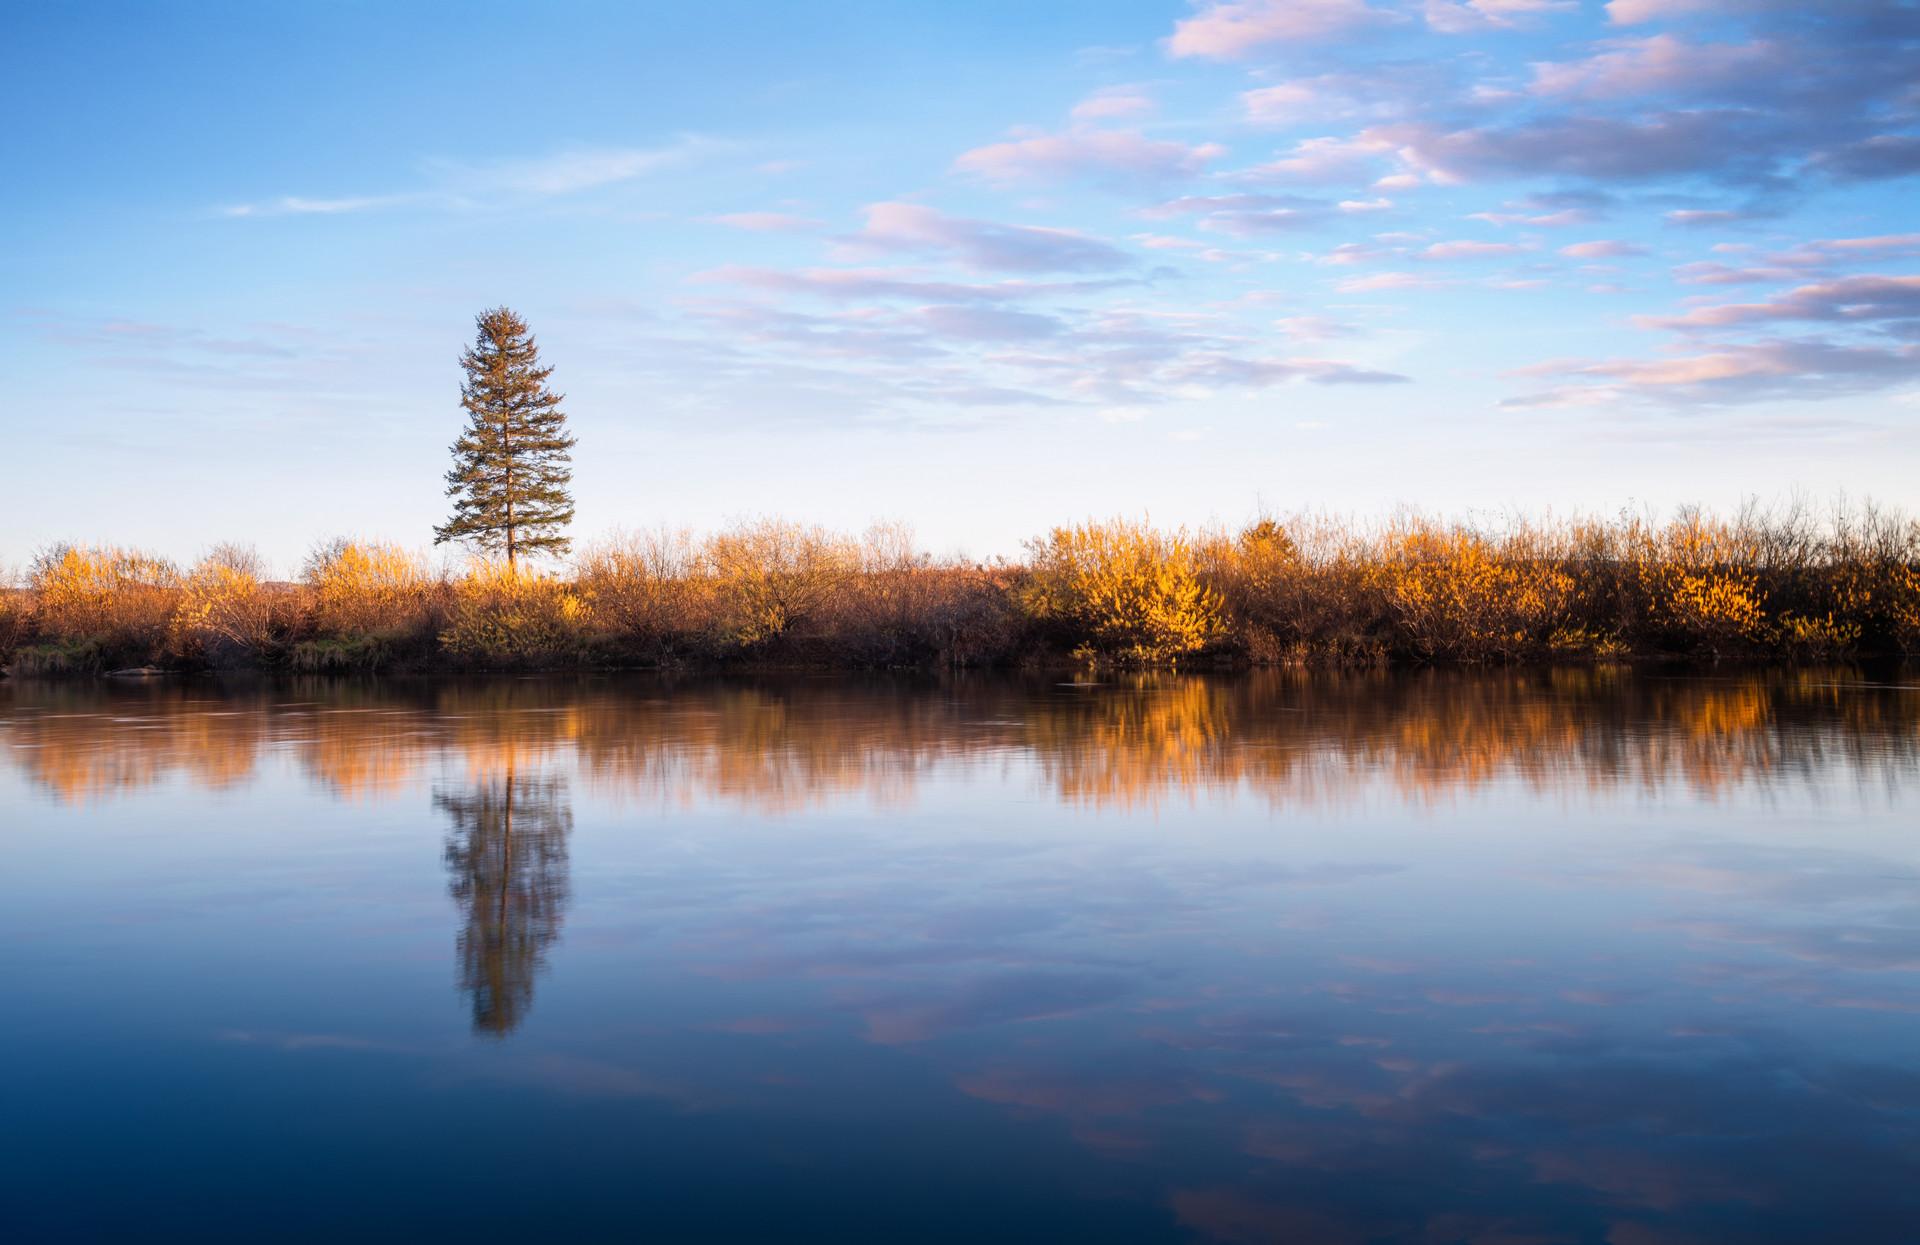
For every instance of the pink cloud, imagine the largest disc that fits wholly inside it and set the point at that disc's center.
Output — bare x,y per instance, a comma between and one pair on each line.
1858,299
767,222
1114,103
1234,29
1605,248
1386,281
1633,69
872,283
1634,12
1466,249
1321,160
1101,155
1459,17
980,244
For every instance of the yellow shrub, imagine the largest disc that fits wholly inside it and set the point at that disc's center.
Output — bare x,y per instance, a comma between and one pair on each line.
1134,593
1697,581
1803,636
224,608
1455,593
771,576
120,597
367,589
511,614
1885,594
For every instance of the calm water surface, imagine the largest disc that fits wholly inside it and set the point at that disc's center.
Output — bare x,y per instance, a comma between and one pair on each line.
1567,957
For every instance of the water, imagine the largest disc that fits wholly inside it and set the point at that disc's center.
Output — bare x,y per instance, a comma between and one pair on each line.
1581,957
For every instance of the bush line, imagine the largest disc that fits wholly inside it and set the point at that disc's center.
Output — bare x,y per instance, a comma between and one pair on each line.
1305,590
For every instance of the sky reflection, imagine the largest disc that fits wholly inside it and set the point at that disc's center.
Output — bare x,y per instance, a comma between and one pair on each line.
1579,957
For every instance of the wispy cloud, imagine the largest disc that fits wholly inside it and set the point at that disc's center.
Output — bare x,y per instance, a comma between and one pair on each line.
769,222
453,184
1111,157
981,245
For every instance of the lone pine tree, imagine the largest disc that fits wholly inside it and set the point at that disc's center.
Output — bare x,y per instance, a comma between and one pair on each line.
513,462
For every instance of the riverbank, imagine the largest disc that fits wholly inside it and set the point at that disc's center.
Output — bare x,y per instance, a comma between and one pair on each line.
1305,592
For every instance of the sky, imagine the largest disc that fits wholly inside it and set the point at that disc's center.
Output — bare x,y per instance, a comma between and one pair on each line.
982,268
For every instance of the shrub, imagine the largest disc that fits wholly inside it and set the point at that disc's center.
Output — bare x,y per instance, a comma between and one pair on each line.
1698,585
225,611
508,615
119,599
1456,594
15,613
1816,639
770,578
369,589
647,593
1127,591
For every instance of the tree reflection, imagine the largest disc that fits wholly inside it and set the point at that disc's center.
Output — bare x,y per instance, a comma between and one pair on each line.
507,869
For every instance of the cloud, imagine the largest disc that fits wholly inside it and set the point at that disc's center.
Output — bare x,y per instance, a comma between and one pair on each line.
1735,144
768,222
566,172
1636,69
1246,215
1605,248
1314,328
888,283
1802,368
1634,12
1320,160
459,184
1236,29
1108,156
983,245
295,205
1459,17
1386,281
1379,92
1227,371
973,323
1468,249
1114,103
1858,299
1697,218
1872,159
1712,272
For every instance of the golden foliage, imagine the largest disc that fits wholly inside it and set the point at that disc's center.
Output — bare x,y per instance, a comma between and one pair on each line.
1306,590
370,589
507,613
1697,582
1131,592
224,607
1458,595
771,576
118,597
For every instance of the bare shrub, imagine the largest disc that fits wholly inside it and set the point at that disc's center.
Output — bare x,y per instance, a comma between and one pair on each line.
771,578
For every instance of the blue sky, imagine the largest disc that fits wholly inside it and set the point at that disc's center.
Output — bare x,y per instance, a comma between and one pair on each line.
981,267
